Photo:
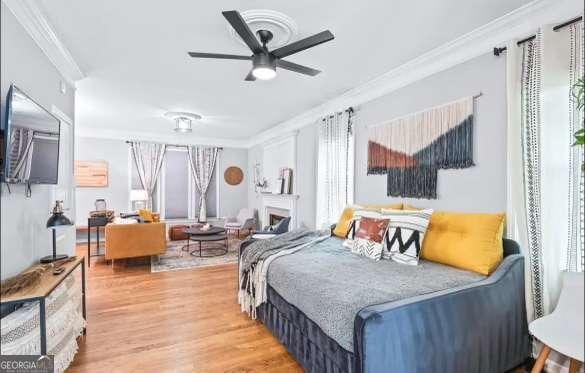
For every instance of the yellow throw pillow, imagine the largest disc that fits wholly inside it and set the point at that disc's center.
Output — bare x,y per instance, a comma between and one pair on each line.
344,222
393,206
467,241
146,215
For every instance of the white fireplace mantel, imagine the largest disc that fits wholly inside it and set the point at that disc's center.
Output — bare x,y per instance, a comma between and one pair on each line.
280,201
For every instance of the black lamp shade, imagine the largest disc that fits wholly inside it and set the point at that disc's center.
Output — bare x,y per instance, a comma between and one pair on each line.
58,219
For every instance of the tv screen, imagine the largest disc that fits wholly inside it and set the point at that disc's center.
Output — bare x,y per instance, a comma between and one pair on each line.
31,141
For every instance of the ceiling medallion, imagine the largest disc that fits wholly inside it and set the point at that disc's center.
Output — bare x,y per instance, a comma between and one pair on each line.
282,27
183,120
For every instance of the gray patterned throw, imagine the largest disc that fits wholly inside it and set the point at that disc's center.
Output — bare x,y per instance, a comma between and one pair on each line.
258,256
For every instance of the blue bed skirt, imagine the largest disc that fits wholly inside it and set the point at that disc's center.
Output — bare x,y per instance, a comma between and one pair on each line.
477,328
304,339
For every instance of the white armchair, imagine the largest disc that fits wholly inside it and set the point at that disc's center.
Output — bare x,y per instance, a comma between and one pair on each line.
244,220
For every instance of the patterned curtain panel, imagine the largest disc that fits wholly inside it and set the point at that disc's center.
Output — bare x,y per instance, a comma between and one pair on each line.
575,260
531,125
149,159
21,149
411,150
335,168
202,162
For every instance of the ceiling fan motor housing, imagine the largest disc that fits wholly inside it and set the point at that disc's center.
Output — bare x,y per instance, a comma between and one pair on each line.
265,36
264,60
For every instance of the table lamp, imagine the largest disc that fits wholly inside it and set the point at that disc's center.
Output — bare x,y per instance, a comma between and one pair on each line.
138,198
56,221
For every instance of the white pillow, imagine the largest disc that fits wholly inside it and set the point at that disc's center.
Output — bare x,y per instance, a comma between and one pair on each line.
405,235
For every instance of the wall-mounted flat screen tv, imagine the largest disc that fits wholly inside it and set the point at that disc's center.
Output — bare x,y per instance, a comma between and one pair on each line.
30,141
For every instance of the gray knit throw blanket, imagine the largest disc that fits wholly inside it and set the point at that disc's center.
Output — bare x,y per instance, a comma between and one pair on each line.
257,257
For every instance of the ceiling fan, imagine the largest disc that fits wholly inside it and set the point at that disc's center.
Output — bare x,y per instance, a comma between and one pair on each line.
264,62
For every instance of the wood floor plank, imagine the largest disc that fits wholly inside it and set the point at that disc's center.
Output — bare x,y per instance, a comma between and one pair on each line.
179,321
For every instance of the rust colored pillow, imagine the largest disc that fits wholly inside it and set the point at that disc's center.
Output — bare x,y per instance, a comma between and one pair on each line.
372,229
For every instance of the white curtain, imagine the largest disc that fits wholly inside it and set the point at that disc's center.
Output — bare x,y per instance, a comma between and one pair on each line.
544,175
202,162
335,169
149,159
21,152
575,254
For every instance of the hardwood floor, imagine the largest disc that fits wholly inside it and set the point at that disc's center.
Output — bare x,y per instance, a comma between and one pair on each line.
181,321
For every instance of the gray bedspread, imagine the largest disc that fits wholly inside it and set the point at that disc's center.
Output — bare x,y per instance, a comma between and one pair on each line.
331,285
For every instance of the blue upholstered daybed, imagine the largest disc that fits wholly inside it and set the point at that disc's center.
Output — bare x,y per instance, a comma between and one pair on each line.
339,312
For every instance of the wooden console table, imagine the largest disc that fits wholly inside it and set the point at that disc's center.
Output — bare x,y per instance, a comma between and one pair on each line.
47,284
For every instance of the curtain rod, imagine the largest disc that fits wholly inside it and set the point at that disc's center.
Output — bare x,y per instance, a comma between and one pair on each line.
174,145
498,51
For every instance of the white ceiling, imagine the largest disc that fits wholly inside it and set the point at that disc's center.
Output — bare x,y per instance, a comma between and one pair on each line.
134,56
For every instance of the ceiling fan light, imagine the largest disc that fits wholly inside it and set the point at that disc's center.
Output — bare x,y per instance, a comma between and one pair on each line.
264,73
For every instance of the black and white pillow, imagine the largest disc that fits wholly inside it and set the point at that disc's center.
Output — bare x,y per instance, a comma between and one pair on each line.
367,248
406,231
366,234
355,223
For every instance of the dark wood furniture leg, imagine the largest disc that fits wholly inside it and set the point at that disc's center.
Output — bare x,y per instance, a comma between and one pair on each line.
43,325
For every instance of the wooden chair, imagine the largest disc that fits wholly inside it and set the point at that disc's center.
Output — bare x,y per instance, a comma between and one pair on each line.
562,330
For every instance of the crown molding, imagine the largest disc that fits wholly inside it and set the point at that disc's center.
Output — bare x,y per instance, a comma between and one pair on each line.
170,138
31,17
514,25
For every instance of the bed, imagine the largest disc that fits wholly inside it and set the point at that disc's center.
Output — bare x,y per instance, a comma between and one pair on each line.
339,312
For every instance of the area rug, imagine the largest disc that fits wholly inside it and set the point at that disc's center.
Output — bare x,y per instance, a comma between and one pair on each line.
175,258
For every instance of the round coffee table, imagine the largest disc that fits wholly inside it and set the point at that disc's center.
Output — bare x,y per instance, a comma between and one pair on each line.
213,234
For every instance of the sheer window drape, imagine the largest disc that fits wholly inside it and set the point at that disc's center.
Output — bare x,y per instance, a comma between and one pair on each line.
148,158
335,169
202,161
21,146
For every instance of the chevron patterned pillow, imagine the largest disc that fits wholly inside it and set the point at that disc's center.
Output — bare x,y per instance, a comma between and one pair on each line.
405,236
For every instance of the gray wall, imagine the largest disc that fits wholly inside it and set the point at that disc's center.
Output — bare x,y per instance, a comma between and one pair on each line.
115,152
481,188
232,198
24,238
255,155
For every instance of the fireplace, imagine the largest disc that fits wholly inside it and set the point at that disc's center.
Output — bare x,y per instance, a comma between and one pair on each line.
275,207
275,215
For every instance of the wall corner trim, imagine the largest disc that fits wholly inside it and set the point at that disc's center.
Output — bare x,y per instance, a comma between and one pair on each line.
514,25
31,17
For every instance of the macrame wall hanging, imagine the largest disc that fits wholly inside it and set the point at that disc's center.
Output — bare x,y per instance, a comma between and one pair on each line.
410,150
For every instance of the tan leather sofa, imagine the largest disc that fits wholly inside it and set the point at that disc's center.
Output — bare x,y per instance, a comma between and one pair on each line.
133,240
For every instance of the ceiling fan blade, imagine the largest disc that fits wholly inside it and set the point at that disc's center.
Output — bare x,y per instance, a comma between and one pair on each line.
219,55
297,68
238,23
250,77
303,44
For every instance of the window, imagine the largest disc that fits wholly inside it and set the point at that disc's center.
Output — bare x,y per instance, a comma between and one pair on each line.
176,196
176,178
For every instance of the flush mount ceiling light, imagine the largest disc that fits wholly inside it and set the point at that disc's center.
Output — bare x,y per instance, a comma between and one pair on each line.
183,120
